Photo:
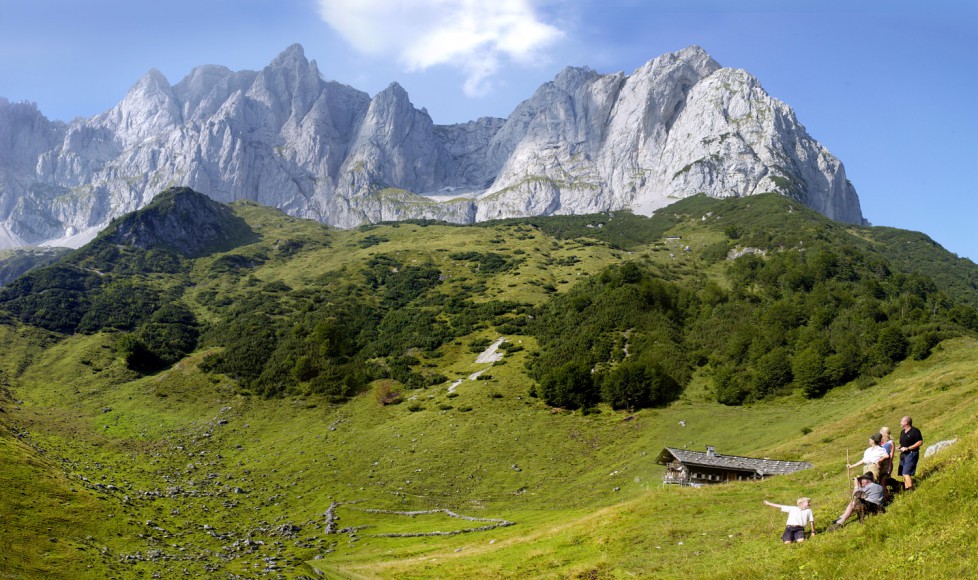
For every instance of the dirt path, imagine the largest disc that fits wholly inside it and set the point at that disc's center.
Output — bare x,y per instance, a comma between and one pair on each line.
490,355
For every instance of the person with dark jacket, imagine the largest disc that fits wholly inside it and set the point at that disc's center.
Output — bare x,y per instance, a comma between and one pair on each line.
910,442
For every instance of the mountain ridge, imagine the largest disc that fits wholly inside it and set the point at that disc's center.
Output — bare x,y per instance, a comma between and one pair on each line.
283,136
182,220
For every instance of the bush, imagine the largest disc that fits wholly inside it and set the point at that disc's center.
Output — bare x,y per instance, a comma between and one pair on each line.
570,386
635,385
921,346
136,356
479,345
729,386
386,395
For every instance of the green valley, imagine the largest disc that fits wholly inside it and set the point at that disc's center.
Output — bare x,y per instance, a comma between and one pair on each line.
251,395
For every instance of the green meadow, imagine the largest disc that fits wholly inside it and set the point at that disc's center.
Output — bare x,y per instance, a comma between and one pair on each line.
440,466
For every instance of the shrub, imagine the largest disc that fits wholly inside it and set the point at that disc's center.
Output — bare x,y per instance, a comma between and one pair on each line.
570,386
729,386
634,385
136,356
435,379
479,345
386,395
922,345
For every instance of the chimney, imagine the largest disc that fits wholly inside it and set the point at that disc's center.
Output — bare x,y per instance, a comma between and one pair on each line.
710,451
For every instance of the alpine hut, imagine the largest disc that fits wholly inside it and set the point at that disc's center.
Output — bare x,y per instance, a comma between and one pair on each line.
695,468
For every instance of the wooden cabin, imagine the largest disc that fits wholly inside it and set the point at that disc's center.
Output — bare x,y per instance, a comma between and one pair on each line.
695,468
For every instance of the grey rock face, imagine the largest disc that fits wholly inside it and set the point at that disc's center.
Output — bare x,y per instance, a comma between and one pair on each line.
584,142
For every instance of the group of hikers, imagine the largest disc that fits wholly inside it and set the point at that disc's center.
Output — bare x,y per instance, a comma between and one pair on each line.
872,489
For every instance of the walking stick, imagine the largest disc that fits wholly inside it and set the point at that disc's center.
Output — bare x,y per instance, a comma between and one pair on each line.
848,473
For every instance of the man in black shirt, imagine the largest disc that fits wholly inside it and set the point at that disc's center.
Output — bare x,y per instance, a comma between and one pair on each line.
910,442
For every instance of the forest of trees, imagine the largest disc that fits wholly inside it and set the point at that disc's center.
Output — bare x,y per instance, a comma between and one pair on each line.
806,320
334,340
812,308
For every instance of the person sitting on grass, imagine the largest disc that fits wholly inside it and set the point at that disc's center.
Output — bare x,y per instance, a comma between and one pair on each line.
794,530
867,498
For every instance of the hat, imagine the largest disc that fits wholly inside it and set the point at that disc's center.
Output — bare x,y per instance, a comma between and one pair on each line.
876,437
868,476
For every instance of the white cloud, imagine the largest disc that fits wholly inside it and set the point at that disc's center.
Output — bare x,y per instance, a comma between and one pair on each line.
477,36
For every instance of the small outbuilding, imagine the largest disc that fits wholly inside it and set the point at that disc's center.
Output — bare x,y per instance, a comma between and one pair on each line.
695,468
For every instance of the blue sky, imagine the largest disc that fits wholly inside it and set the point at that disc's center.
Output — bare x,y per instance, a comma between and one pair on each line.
889,86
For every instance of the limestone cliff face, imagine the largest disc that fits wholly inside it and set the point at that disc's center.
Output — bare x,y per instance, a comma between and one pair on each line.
284,137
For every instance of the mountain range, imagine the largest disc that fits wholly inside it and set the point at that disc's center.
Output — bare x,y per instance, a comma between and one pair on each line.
582,143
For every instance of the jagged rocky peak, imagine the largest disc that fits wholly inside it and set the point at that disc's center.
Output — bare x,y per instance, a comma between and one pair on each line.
391,111
396,148
391,100
25,133
182,220
149,109
283,136
201,80
694,56
573,77
292,57
290,84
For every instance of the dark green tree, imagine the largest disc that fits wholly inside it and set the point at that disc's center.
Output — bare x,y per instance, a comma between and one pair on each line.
636,385
570,386
808,368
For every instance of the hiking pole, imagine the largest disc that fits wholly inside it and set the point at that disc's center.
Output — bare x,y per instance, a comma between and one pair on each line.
848,473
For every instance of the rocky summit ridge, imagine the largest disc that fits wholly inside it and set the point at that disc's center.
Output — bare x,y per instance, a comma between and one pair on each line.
582,143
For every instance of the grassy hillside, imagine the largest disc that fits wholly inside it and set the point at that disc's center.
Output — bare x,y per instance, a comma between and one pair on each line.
183,474
725,531
367,423
13,263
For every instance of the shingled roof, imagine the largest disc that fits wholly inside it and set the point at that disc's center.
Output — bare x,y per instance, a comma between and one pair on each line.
751,465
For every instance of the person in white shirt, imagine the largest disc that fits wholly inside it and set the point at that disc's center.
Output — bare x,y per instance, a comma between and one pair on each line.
798,517
872,457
